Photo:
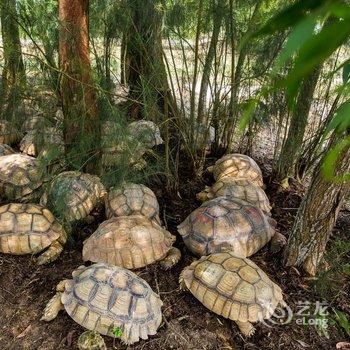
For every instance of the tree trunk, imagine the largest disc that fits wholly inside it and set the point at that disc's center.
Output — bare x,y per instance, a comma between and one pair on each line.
13,73
316,217
291,149
81,122
146,72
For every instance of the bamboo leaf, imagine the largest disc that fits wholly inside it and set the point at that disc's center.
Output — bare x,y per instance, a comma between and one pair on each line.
247,115
340,121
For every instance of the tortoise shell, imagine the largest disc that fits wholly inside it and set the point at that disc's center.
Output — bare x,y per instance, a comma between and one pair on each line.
5,150
106,298
131,242
226,223
232,286
132,199
8,133
27,229
72,195
147,132
242,189
238,166
20,175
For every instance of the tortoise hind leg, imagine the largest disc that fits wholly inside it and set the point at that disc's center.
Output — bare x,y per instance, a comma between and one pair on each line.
246,328
50,254
52,308
171,259
278,241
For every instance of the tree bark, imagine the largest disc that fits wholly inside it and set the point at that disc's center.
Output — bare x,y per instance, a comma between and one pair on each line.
316,217
13,73
81,122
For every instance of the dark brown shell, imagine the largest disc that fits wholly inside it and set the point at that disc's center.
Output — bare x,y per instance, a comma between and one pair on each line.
226,223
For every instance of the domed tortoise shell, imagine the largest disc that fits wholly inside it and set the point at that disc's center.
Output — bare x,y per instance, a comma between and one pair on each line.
112,301
226,223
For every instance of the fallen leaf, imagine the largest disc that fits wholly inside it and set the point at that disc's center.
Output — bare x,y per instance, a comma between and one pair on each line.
24,333
302,343
343,345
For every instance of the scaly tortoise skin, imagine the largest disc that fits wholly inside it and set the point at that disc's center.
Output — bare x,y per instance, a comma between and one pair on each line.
131,242
20,175
8,133
233,287
228,223
5,150
130,199
29,229
73,195
237,166
237,188
104,298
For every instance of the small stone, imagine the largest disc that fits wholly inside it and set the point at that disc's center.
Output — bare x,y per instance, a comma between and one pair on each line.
90,340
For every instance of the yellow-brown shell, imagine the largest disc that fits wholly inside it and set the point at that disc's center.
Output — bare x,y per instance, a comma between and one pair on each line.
20,175
242,189
112,300
27,229
8,133
226,223
131,242
238,166
232,287
131,199
72,195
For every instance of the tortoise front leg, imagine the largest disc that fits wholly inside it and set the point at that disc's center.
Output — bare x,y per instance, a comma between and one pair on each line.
52,308
246,328
278,241
171,259
50,254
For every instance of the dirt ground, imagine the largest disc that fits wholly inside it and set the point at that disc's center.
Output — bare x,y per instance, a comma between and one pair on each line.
25,288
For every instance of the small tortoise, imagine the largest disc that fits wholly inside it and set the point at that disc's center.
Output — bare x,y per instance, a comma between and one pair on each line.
90,340
130,199
233,287
8,133
109,300
237,166
20,175
229,223
73,195
131,242
237,188
29,229
5,150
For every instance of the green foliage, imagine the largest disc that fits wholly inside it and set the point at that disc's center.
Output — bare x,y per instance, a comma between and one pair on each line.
342,320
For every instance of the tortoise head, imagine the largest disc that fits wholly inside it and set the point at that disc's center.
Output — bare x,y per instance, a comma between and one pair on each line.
204,195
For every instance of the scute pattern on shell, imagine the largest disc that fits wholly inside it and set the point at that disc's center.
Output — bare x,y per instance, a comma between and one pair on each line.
73,195
146,131
103,297
20,175
242,189
128,241
131,199
226,223
238,166
232,287
27,229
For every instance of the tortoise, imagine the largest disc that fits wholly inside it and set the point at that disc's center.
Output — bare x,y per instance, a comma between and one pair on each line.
20,175
131,242
238,188
73,195
229,223
30,229
5,150
132,199
8,132
146,131
90,340
237,166
233,287
110,300
48,141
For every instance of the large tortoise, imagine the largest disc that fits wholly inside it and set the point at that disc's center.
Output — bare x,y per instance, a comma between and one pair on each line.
131,242
237,166
233,287
30,229
237,188
20,175
130,199
73,195
109,300
229,223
